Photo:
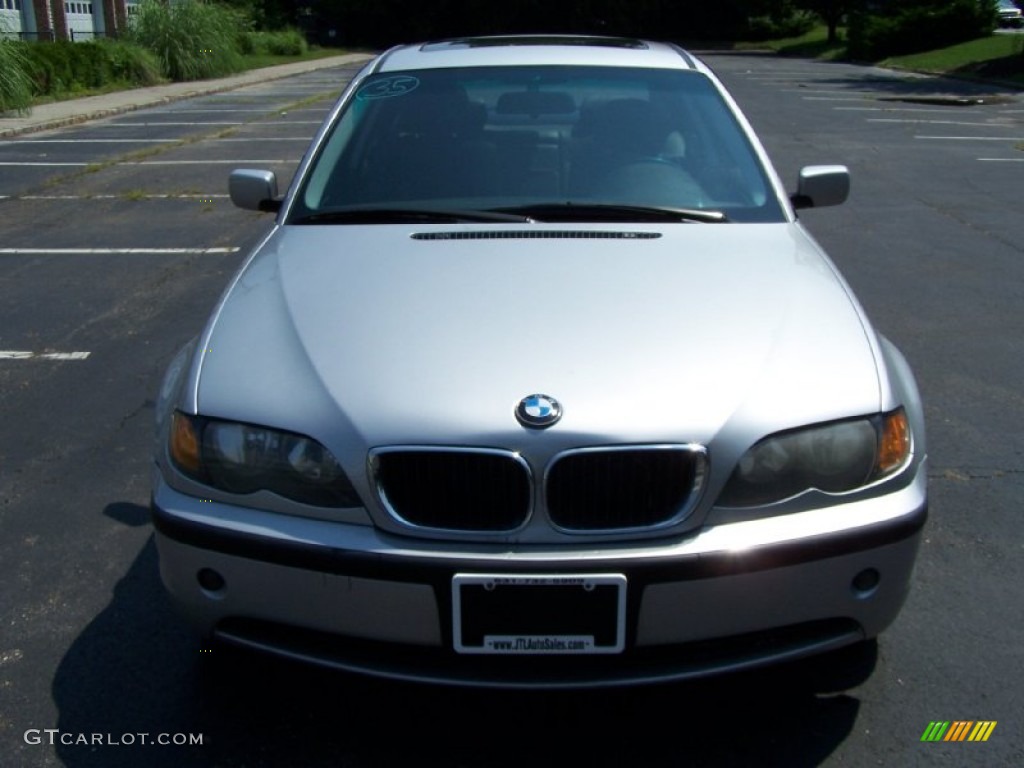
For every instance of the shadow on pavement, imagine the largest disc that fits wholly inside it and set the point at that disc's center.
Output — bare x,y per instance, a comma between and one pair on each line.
895,85
135,670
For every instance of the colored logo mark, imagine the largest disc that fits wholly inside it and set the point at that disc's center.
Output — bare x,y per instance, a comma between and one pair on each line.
958,730
538,411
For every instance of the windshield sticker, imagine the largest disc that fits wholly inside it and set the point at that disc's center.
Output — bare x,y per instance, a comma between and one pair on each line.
399,85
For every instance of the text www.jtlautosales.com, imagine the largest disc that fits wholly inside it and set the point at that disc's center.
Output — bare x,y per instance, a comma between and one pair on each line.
538,644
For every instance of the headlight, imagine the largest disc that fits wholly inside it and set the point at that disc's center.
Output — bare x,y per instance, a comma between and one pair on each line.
244,458
834,458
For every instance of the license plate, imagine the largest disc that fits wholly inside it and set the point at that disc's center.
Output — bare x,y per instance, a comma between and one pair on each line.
538,614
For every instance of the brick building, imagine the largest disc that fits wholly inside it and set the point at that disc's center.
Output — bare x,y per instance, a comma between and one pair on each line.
63,19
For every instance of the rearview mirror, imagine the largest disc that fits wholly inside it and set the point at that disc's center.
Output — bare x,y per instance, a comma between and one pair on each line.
821,185
254,190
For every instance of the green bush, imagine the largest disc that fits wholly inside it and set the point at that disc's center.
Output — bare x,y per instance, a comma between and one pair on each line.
246,42
911,27
191,39
778,27
64,67
132,63
286,42
15,83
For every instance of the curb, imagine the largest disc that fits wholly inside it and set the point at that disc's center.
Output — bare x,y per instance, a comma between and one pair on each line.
74,111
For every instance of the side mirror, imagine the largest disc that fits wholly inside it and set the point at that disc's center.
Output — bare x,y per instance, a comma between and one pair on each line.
254,190
821,185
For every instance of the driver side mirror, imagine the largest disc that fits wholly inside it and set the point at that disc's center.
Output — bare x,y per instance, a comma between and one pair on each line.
254,190
821,185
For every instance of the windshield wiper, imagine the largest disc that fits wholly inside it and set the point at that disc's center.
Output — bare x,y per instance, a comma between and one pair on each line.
617,212
408,216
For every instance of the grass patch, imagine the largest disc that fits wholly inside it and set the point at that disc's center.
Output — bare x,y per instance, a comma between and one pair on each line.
997,56
260,60
813,44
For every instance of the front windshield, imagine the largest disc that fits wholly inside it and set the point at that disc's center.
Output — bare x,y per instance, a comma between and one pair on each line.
519,138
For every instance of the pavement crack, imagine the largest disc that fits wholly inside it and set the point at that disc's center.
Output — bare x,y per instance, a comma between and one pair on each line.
144,405
969,474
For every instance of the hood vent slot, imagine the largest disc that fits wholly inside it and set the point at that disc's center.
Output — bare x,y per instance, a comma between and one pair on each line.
536,234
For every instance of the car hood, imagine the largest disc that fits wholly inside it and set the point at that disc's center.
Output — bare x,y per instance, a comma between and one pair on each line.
405,335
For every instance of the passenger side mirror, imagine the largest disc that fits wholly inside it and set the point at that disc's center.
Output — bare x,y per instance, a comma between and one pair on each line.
821,185
254,190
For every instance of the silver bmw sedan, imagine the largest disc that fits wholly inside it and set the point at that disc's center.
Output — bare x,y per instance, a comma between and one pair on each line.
538,381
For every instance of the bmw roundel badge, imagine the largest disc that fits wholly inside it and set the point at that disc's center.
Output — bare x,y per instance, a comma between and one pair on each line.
538,411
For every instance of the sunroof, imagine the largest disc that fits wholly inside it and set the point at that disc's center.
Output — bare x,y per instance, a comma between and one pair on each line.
582,40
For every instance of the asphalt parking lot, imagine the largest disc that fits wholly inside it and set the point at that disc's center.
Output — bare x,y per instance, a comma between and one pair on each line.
116,237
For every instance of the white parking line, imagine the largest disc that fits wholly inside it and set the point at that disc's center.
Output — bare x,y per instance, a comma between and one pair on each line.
127,196
224,110
914,110
8,142
838,95
119,123
1001,159
267,91
236,122
971,138
253,139
231,110
42,165
114,251
147,141
209,162
834,91
777,77
865,97
938,122
100,163
11,354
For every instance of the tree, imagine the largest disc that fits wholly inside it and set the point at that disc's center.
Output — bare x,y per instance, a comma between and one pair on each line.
880,29
831,12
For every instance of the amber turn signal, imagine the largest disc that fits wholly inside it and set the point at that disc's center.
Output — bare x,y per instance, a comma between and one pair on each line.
184,444
894,447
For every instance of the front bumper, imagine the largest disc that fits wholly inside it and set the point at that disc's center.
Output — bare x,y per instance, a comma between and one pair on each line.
728,598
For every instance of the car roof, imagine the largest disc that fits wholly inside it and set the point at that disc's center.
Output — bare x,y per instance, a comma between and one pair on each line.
526,50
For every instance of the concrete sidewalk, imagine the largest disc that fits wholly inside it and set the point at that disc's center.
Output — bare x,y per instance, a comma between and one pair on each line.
71,111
